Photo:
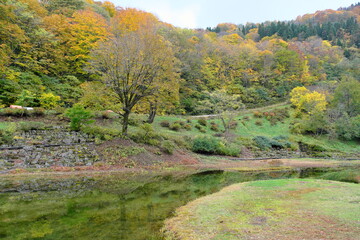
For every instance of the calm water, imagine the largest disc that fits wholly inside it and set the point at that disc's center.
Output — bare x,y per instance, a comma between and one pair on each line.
118,206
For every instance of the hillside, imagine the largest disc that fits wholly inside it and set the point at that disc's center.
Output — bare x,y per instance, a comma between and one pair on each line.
79,61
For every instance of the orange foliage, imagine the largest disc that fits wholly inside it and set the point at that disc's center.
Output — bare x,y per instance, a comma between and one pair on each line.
132,19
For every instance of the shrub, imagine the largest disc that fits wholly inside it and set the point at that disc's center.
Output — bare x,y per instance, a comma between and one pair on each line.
258,123
262,142
27,126
168,147
197,126
246,118
101,133
187,127
175,126
206,145
26,98
202,130
147,135
59,110
214,127
181,123
230,149
135,121
78,117
202,122
165,124
7,134
38,112
9,112
49,100
233,125
257,114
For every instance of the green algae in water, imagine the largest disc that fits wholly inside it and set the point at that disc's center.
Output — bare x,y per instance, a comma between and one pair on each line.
106,207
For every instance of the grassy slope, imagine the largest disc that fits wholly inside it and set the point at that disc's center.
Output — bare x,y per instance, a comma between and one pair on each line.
274,209
249,129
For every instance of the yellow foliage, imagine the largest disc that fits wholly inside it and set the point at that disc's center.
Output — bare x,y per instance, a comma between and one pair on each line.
49,100
132,19
232,39
227,27
110,8
310,102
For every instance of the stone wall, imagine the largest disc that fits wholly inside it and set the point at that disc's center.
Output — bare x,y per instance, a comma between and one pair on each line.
46,148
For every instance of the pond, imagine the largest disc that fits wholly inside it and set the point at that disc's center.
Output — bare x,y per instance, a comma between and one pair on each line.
107,206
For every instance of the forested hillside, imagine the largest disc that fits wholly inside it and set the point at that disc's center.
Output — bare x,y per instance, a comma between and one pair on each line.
48,48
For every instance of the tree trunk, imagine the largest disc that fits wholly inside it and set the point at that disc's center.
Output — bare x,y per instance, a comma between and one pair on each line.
152,114
125,122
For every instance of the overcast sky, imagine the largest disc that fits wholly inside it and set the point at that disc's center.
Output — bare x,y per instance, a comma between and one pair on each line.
208,13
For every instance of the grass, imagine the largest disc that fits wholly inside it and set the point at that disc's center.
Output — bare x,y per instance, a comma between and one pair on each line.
4,125
272,209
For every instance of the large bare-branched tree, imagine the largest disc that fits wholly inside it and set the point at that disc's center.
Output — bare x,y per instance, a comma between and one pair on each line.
133,65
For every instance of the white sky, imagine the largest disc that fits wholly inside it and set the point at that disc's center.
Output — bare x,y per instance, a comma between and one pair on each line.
208,13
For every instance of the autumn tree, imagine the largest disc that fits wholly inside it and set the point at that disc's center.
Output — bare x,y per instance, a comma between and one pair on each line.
132,65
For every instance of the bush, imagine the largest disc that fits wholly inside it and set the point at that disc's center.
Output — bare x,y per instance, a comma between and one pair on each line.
135,121
78,117
165,124
107,115
175,126
262,142
246,118
214,127
258,123
197,126
59,110
38,112
9,112
168,147
202,122
206,145
257,114
187,127
27,126
147,135
49,100
202,130
230,149
7,134
101,133
181,123
233,125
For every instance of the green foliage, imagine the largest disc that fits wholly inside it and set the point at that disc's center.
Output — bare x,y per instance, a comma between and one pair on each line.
168,146
9,112
347,97
202,122
175,126
206,145
214,127
146,134
265,143
27,99
165,123
348,128
7,134
27,126
229,149
78,117
101,133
